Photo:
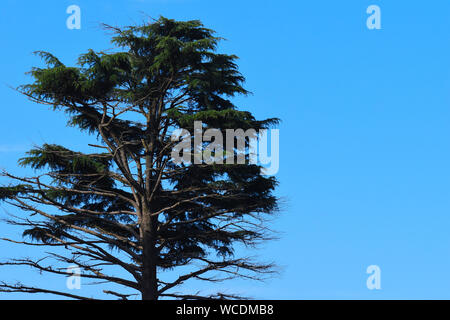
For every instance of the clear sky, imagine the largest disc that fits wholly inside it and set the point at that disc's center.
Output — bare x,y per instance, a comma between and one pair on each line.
364,138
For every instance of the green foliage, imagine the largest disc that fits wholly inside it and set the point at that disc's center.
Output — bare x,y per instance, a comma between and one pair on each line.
164,75
12,191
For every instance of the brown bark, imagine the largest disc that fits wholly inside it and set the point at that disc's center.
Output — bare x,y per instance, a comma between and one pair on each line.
149,285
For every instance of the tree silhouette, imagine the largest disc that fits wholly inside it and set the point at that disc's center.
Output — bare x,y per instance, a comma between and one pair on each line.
129,204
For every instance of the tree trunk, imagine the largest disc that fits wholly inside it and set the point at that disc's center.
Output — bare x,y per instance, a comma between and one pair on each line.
149,279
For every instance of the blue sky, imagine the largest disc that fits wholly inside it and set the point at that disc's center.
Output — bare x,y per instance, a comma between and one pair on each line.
364,139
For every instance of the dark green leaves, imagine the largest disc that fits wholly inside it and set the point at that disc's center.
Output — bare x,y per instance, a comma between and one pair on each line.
12,191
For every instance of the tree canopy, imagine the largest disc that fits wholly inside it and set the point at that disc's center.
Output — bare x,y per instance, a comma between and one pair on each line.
128,204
